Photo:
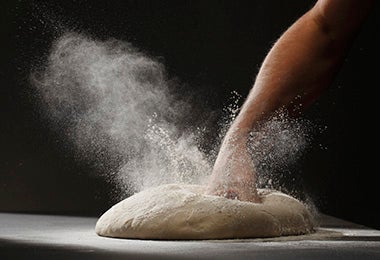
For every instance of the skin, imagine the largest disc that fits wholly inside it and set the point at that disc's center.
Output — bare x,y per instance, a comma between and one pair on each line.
298,68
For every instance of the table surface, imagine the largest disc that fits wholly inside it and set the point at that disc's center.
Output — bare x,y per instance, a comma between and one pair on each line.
32,236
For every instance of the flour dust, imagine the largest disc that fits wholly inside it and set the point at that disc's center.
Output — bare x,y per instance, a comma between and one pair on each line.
116,107
114,104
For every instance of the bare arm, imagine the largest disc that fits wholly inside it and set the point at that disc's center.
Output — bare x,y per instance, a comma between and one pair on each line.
305,59
302,63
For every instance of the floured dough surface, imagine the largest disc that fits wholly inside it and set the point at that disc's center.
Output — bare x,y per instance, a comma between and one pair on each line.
176,211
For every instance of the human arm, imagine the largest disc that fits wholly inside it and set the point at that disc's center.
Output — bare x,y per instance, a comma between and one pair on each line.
298,68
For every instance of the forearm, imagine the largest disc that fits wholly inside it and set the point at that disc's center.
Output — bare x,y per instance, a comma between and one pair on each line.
304,61
300,65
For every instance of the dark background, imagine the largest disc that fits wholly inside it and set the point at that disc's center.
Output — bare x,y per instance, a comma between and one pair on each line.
215,47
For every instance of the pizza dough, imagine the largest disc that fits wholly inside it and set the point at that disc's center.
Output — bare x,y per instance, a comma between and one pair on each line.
176,211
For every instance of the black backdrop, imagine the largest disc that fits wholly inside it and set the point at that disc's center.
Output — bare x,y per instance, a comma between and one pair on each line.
213,46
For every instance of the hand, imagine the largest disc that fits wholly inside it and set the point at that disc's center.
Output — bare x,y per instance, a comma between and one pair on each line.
233,175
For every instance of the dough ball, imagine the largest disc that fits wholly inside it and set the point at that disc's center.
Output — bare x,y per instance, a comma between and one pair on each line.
176,211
